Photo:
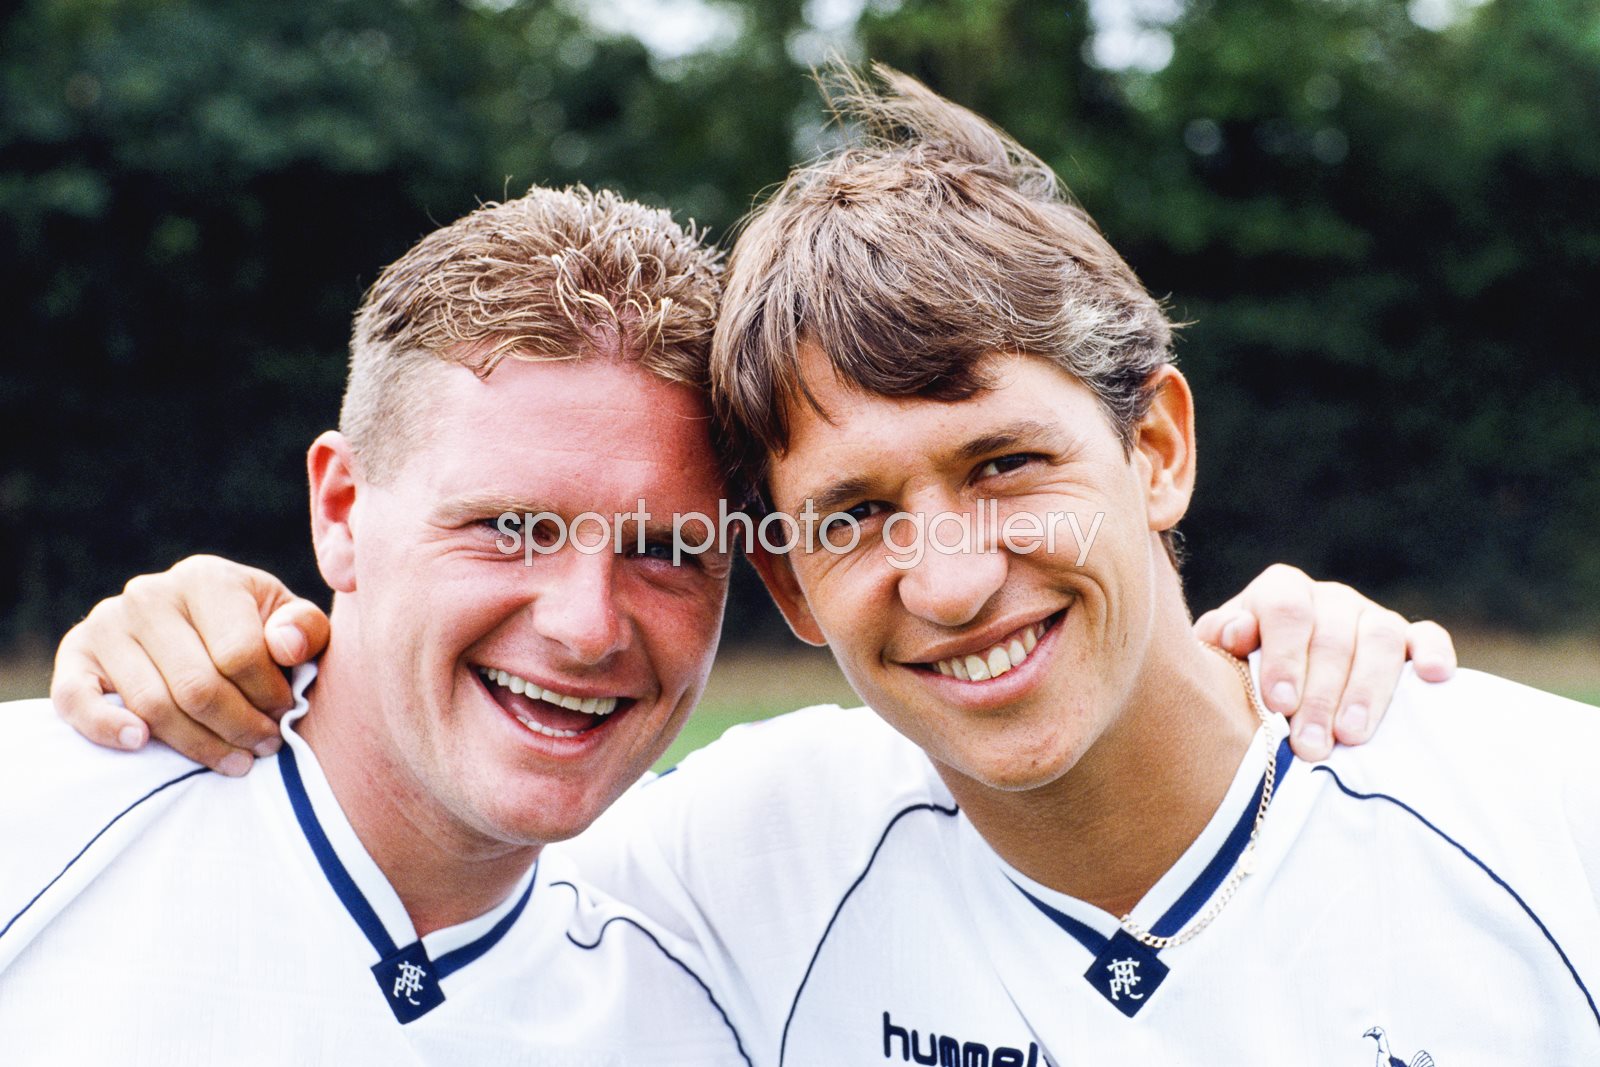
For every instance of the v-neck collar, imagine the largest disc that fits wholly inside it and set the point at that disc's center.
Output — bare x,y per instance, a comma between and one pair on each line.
1037,969
409,969
1180,894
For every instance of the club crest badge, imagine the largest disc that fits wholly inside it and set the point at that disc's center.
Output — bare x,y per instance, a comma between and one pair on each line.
1126,973
409,982
1386,1058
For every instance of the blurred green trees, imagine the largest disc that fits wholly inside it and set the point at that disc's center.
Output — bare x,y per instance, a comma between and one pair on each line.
1380,219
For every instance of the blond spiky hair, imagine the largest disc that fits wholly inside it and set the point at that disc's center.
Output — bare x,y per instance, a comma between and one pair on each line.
555,274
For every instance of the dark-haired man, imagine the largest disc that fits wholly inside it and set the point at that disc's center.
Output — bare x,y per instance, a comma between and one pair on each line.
1085,839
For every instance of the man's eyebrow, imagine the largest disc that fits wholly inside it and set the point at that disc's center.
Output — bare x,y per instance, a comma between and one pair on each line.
466,508
839,495
660,528
1027,435
470,508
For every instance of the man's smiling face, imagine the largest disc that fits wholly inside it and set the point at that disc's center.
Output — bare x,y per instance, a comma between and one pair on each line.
1067,638
472,654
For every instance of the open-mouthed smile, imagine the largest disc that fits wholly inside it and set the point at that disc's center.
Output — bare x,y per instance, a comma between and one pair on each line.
549,712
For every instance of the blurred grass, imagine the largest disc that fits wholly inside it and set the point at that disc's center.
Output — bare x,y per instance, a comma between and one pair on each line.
25,673
750,684
757,683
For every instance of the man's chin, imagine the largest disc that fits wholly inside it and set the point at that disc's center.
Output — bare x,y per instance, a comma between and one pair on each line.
1010,779
525,813
544,827
1012,769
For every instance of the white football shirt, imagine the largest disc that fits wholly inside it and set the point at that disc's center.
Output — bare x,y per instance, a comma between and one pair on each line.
152,912
1426,898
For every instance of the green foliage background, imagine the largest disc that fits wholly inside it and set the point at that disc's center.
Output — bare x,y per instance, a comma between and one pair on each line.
1386,239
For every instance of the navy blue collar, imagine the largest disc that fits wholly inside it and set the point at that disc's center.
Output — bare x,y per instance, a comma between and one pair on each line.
1188,905
1125,971
408,978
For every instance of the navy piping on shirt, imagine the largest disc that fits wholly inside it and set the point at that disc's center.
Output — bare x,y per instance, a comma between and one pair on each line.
1195,897
684,967
356,904
783,1044
1188,905
164,785
1484,867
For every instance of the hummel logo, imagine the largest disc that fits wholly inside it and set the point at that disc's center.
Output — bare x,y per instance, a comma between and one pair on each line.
949,1052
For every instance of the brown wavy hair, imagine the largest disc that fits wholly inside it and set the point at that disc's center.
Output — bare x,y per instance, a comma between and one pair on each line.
930,240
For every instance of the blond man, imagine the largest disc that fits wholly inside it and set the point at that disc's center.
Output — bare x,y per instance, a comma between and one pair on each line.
377,893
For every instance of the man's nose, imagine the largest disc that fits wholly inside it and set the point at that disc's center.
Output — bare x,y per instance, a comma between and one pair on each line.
576,605
949,586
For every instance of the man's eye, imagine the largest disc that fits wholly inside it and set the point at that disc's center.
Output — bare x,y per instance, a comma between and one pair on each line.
545,533
660,550
1003,465
836,528
866,510
493,527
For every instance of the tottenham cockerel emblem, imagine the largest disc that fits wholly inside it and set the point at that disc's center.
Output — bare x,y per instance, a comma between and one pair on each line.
1389,1059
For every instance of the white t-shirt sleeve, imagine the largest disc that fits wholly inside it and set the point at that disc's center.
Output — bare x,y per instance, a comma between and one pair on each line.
1573,744
67,807
1476,733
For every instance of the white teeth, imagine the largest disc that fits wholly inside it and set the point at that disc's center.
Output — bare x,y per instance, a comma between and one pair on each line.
994,661
541,728
587,705
999,662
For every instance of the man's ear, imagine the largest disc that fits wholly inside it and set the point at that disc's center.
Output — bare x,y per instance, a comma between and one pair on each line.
330,466
779,578
1164,448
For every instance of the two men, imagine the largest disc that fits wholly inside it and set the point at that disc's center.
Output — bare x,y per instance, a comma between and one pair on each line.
1063,751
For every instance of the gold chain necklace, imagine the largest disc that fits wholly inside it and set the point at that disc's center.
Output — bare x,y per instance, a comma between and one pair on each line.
1246,862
